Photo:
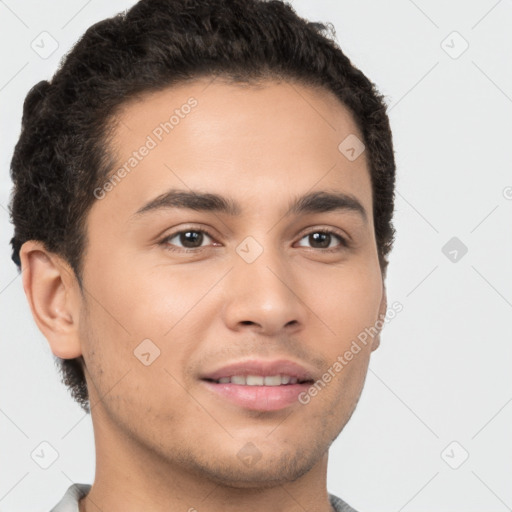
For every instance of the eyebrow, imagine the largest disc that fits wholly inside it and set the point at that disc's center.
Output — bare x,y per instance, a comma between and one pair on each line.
314,202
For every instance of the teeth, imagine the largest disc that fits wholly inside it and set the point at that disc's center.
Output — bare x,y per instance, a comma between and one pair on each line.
272,381
254,380
258,380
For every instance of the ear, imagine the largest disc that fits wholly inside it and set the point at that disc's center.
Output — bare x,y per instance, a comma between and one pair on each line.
382,314
54,297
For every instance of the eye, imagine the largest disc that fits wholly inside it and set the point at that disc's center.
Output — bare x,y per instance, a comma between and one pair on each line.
324,237
190,239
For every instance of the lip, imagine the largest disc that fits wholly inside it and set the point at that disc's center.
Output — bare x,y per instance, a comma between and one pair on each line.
262,368
259,398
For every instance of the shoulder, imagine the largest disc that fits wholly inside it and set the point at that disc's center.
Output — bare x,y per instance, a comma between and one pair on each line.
339,505
69,502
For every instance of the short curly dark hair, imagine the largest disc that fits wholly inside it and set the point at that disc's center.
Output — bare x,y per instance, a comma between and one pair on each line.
62,154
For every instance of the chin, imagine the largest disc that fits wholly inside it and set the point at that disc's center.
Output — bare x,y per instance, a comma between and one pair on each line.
270,470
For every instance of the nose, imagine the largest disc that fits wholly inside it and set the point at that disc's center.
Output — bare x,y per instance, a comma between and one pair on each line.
264,296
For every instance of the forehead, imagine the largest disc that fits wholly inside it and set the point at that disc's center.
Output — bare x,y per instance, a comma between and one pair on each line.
262,144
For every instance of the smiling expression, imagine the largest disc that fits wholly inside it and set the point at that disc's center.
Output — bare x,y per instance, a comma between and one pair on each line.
243,233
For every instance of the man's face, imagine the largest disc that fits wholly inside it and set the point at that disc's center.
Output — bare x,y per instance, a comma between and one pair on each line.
262,285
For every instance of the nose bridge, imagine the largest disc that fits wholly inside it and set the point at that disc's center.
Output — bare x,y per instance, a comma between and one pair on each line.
258,261
261,286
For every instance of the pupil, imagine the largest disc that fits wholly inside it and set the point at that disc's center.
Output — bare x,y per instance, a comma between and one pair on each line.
195,236
324,236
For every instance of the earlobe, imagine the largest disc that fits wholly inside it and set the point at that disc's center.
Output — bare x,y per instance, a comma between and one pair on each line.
51,290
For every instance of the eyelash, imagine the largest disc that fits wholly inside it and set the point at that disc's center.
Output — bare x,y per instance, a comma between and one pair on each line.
344,244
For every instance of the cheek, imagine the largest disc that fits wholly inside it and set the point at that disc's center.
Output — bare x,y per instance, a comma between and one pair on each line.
139,301
125,368
146,316
347,303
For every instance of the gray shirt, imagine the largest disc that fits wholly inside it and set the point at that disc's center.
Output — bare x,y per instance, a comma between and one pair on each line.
69,502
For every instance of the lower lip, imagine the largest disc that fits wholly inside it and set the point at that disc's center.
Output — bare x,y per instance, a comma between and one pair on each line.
259,398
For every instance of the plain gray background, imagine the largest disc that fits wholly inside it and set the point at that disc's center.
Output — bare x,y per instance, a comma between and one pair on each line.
439,387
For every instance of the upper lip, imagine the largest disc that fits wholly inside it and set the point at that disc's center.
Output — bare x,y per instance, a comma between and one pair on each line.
262,368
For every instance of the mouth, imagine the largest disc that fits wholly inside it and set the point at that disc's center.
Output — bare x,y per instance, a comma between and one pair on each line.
259,385
259,380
